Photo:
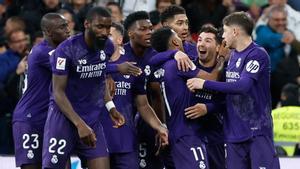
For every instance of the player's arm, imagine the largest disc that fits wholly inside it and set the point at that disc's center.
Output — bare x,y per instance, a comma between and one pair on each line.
201,109
183,61
125,68
148,114
86,134
115,115
157,101
239,87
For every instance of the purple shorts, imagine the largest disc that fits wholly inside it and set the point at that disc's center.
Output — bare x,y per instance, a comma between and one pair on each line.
189,152
28,141
61,139
147,148
124,160
216,156
257,152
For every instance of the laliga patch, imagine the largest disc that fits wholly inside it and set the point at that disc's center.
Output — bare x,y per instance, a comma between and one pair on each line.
252,66
61,63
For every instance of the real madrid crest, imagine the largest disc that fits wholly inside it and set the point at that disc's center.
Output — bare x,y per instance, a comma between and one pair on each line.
102,55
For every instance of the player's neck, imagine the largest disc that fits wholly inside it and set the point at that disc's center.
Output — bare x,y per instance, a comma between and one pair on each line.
243,42
138,50
209,63
51,43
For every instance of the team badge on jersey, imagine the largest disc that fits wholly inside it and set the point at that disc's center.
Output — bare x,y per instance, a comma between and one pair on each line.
54,159
238,63
102,55
159,73
126,76
202,165
252,66
147,70
61,63
30,154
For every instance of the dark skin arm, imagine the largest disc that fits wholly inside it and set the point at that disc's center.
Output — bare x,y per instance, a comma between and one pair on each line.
85,133
157,101
115,115
148,114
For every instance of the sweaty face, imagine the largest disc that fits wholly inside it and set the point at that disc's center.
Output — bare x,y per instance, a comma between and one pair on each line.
229,36
278,21
180,24
99,29
60,30
141,32
176,42
207,46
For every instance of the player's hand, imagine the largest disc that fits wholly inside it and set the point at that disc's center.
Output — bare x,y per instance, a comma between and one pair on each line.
129,68
195,111
224,51
161,138
183,61
86,134
117,118
111,85
195,83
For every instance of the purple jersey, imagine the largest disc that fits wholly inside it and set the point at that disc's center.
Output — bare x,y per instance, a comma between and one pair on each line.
212,123
33,105
85,68
190,49
248,111
123,139
177,97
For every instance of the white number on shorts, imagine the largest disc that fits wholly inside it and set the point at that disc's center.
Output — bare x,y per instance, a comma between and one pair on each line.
194,150
26,138
143,150
62,144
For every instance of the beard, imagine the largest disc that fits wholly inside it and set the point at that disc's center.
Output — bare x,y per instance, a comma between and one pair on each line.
98,42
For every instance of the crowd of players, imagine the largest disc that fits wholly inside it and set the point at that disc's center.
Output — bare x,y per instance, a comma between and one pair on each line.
157,101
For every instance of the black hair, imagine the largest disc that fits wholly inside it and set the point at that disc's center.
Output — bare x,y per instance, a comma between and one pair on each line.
119,27
133,17
97,11
207,28
291,92
241,19
154,17
160,39
170,12
48,19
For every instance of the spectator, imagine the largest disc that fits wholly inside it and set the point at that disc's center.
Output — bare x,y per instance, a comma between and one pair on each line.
275,37
293,17
206,11
161,5
70,18
290,95
116,11
14,23
37,38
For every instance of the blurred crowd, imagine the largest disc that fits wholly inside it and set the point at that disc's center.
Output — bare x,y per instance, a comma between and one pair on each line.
277,30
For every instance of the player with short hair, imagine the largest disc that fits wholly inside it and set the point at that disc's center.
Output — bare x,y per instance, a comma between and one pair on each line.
175,17
248,123
77,97
31,111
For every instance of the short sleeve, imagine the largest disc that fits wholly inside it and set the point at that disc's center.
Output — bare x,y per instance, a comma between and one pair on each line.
60,61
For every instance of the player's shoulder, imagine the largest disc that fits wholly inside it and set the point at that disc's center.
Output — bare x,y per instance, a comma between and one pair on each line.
40,51
258,51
